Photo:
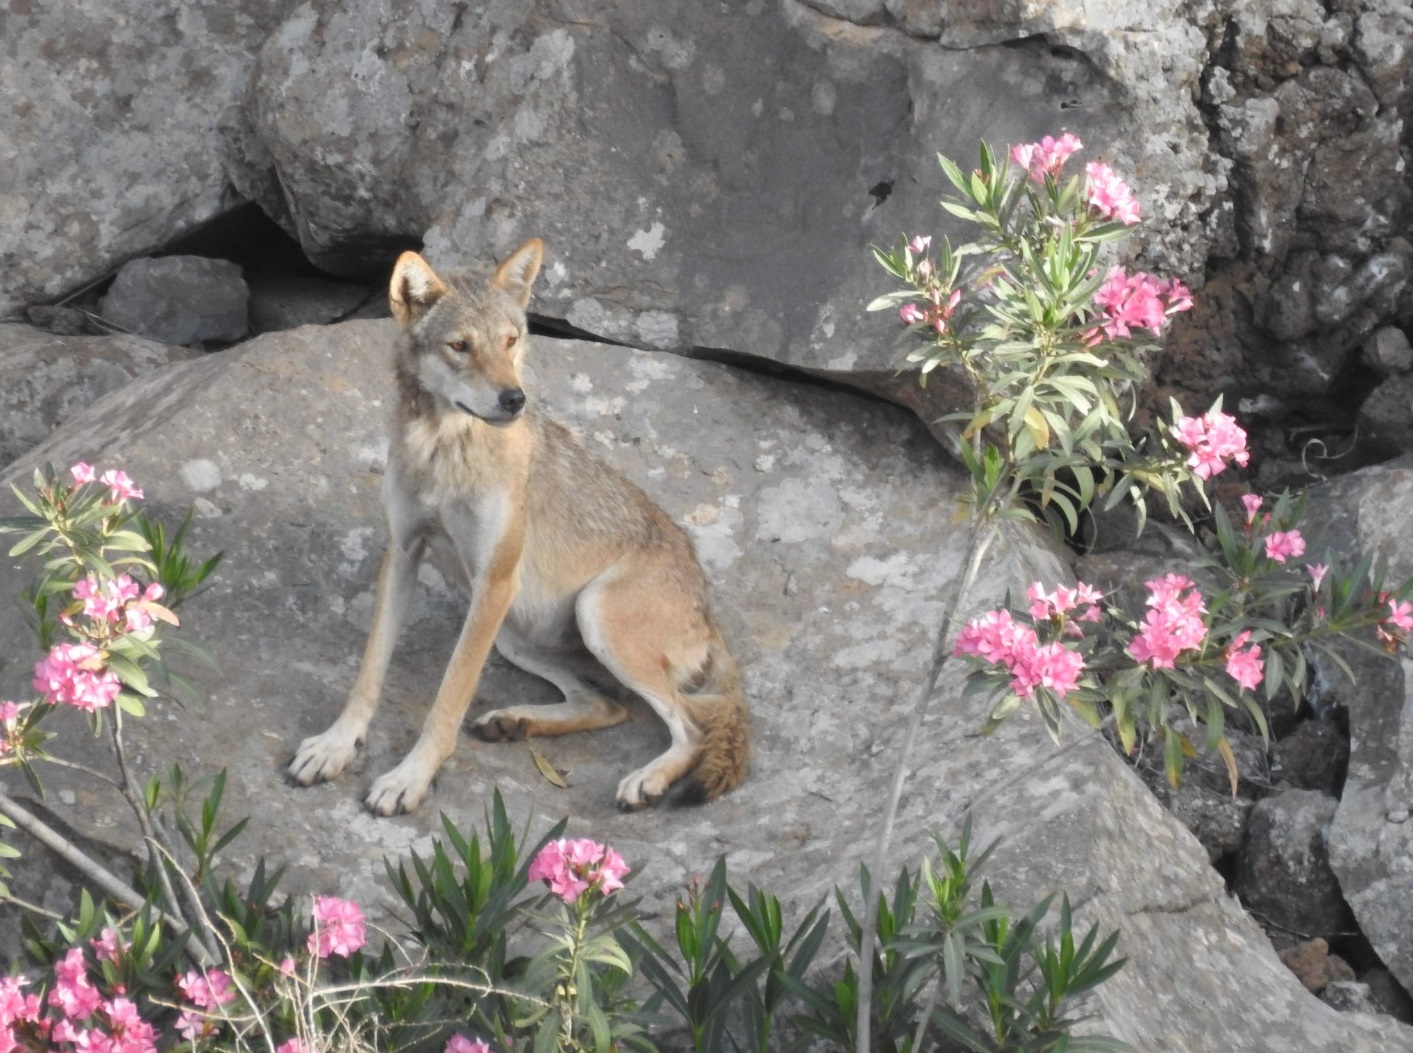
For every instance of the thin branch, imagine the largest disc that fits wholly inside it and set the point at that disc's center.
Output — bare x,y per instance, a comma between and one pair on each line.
84,768
101,876
981,537
33,908
155,848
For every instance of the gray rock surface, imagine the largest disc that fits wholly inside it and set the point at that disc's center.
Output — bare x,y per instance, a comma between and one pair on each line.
1284,873
46,379
1371,839
826,525
111,128
289,301
1386,416
179,300
1216,819
1387,351
1312,757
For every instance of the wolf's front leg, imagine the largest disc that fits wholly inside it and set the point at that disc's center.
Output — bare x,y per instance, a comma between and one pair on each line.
324,756
402,789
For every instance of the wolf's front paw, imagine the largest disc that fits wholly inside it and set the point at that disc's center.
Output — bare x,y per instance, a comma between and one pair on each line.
322,757
400,790
645,787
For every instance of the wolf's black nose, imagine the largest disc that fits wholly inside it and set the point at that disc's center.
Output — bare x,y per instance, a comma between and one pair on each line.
512,400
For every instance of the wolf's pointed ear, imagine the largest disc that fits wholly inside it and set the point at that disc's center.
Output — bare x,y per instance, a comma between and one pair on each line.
413,289
517,273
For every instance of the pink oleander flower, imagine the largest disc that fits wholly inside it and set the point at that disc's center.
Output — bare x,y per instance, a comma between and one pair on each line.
128,1032
120,487
105,598
136,617
107,947
194,1026
459,1043
911,313
1245,666
293,1045
1401,615
207,990
570,866
83,473
1000,640
992,636
1317,574
1281,544
287,967
918,245
1109,195
1252,504
938,314
72,994
15,1005
1053,666
1083,600
338,927
1172,625
1176,296
1138,301
74,675
1046,157
1212,440
11,711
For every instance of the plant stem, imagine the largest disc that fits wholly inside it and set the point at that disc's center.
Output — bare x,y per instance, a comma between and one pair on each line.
101,876
581,924
982,534
156,850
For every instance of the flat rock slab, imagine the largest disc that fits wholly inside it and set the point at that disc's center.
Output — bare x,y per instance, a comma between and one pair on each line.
45,379
829,526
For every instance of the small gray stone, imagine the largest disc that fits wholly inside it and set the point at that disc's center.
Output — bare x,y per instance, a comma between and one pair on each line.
1348,996
179,300
1387,351
1386,417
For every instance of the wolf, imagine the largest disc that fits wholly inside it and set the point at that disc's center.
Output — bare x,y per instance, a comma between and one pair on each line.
571,569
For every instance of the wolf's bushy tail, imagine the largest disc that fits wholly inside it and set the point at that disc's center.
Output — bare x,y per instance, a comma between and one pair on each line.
719,709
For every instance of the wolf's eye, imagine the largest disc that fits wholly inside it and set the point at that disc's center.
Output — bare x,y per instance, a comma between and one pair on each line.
459,346
512,340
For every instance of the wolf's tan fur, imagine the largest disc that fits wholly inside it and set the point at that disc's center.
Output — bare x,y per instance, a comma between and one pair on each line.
571,569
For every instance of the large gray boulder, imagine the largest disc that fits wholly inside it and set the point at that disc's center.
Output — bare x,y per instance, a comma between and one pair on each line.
707,178
179,300
111,125
745,157
1371,839
1284,873
827,524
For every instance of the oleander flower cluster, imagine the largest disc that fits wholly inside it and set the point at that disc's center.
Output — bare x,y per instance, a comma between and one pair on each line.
572,866
74,1016
338,927
1212,440
997,638
1136,301
103,608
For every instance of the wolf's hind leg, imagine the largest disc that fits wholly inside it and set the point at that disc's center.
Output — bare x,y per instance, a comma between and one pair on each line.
650,638
583,708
